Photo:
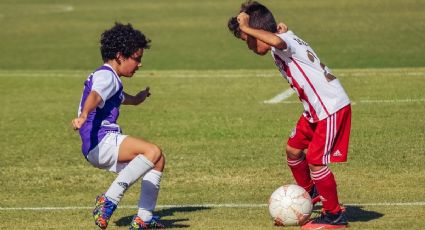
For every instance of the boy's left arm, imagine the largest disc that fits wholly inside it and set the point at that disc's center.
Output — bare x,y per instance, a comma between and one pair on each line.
265,36
136,99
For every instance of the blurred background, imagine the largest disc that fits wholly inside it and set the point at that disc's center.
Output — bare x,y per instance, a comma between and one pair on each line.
192,34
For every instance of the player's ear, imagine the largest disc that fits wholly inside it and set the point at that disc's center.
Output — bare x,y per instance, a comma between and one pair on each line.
119,58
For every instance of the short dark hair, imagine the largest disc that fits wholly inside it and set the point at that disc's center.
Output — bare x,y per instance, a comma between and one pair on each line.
122,39
259,18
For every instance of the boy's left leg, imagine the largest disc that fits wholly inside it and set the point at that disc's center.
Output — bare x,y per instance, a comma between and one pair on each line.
149,194
326,185
329,144
333,216
148,198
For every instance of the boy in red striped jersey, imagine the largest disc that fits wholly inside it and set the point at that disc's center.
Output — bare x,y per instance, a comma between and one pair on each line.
322,133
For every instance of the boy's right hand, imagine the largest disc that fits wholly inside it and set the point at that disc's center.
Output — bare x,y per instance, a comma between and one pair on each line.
243,20
78,122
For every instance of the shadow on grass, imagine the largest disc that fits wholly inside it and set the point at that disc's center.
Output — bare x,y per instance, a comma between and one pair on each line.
171,223
358,214
355,214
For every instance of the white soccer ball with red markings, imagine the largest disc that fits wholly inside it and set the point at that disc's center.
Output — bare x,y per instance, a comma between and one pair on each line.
290,205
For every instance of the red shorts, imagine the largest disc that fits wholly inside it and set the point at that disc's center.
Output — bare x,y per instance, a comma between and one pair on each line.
327,140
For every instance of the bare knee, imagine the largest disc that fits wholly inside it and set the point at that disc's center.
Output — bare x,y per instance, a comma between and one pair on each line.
153,153
160,164
293,153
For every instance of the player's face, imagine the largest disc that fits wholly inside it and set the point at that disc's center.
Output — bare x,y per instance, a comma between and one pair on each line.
130,65
258,46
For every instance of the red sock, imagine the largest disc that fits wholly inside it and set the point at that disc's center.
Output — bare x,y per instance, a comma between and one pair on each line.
326,186
301,172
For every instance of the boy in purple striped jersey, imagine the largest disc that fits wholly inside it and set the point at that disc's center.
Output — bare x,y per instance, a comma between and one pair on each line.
103,144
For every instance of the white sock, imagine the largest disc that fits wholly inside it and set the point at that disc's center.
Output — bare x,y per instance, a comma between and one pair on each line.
149,194
137,167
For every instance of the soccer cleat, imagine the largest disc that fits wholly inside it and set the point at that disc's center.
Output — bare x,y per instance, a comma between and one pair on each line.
137,223
103,211
315,197
328,220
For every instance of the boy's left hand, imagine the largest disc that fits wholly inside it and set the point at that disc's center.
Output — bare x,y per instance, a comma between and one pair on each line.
142,95
282,28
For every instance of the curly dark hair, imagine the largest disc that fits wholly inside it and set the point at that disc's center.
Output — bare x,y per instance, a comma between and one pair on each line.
259,18
122,39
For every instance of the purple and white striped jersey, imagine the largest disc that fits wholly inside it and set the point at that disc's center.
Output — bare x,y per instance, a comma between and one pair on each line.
103,119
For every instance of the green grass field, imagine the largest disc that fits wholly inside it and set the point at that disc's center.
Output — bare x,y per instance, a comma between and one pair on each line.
224,146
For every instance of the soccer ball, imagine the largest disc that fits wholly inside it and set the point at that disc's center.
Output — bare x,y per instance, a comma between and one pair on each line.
290,205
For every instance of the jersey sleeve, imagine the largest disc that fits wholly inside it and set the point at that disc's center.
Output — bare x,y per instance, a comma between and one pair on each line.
123,97
105,85
287,41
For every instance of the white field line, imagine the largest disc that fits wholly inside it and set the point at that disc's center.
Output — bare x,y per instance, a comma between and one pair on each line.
280,97
394,101
238,73
65,8
56,8
53,8
201,206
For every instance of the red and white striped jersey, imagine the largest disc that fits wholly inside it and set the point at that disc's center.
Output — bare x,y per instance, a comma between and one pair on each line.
321,96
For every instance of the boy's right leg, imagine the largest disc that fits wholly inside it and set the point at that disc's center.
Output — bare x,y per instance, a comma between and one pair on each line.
299,167
301,172
297,144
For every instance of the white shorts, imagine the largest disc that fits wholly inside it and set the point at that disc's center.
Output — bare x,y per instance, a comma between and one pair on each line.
105,154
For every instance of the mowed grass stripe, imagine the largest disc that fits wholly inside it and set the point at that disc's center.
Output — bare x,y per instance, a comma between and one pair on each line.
148,73
240,73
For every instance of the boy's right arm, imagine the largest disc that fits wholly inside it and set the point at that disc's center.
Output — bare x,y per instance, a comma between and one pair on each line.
265,36
92,101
